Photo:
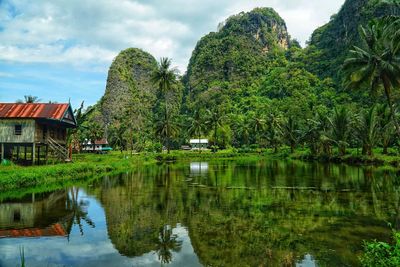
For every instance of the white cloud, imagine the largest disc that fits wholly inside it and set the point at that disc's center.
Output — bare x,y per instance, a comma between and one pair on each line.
92,32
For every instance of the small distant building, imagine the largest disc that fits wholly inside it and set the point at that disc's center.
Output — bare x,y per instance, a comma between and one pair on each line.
197,144
30,132
99,146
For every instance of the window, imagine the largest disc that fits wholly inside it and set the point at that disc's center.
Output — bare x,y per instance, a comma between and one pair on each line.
18,129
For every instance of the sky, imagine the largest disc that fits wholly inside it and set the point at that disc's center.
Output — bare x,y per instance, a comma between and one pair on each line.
60,50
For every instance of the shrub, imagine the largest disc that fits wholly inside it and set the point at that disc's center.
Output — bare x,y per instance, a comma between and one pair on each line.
379,254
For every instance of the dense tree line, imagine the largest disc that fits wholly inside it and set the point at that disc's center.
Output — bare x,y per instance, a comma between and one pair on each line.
286,106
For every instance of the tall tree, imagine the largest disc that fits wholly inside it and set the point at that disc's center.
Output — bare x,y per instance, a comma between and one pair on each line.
367,130
274,131
215,117
197,125
341,126
377,62
165,78
291,132
166,128
386,127
29,99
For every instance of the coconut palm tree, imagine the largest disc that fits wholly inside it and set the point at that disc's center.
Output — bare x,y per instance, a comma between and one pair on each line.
291,132
167,243
166,128
258,127
377,62
215,118
274,131
197,125
165,78
340,128
367,130
386,127
315,134
29,99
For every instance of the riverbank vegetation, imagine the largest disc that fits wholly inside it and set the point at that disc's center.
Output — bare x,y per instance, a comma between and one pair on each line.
380,254
284,106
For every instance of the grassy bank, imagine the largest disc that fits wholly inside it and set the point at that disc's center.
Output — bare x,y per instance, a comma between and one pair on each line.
88,166
85,166
352,157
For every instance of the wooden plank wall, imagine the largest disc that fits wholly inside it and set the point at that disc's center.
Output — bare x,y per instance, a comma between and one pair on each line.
7,131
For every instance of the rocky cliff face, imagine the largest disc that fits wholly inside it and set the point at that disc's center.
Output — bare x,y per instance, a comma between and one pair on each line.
329,44
129,75
236,52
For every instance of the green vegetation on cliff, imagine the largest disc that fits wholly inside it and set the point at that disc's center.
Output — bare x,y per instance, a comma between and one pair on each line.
329,45
249,85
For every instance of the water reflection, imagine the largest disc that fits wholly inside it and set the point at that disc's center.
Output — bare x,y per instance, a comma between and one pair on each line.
168,243
198,168
308,261
49,214
259,213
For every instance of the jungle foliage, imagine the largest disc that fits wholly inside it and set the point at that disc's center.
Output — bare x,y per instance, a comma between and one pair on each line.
249,84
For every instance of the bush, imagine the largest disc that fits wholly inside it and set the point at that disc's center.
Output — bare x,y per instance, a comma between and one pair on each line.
379,254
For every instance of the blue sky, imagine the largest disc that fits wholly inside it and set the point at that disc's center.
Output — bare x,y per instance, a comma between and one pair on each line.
61,50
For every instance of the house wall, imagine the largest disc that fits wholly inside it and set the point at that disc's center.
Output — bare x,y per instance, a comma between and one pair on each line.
7,131
43,131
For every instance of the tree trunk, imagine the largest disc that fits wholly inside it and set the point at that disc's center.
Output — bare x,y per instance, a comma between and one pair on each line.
386,85
167,121
385,150
215,138
364,150
342,150
292,147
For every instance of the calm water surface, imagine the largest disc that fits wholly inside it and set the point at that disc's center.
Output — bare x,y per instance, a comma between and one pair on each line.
235,213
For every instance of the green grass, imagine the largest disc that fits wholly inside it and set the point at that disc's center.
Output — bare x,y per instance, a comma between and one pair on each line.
18,180
84,167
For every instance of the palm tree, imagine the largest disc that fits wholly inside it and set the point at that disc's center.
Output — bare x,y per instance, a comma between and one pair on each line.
367,130
258,126
377,62
274,131
96,132
215,117
315,134
165,78
166,128
386,127
341,126
291,132
197,125
29,99
167,243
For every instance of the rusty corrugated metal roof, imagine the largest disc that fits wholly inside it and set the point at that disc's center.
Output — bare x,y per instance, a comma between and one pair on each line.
53,230
102,141
33,110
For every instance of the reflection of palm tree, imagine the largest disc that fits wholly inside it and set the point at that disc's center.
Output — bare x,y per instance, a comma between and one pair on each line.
167,243
79,209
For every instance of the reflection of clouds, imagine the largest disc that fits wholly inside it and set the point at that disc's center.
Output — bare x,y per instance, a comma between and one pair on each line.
308,261
94,248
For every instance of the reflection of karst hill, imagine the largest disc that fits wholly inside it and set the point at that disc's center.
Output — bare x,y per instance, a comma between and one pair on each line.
136,210
287,219
240,214
45,214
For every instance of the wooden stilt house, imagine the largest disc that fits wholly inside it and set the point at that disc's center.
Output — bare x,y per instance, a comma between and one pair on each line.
30,133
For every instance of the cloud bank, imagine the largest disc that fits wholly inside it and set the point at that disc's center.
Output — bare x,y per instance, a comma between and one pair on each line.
86,35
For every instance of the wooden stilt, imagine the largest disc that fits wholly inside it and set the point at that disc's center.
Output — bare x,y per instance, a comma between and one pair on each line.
33,153
2,151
